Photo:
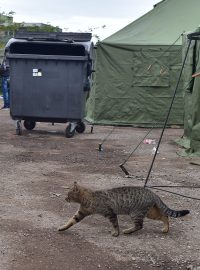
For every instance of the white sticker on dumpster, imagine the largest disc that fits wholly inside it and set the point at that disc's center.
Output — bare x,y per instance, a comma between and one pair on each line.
37,72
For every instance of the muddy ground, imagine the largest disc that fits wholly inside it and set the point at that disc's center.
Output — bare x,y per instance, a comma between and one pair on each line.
37,166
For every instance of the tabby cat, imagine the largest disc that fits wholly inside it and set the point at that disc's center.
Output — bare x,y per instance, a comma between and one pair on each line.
137,202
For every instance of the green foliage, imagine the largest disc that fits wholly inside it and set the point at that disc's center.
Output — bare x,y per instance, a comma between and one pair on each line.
14,27
11,29
9,14
6,18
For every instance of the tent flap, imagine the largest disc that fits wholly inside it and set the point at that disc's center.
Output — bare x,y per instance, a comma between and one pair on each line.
135,86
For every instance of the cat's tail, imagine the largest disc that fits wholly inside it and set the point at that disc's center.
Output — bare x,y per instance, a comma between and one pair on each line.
169,212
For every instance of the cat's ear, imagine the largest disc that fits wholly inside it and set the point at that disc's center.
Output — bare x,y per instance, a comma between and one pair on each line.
75,186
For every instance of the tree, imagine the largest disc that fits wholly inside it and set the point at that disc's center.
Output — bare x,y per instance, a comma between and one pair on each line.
94,30
11,13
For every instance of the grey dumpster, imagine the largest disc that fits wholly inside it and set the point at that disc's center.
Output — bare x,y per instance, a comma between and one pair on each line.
49,79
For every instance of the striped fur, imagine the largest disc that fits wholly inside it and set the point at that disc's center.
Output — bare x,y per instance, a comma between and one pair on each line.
137,202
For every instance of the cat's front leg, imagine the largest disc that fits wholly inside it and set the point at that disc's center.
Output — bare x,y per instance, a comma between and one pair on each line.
79,215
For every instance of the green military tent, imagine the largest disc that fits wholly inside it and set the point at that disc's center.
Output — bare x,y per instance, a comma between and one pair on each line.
191,79
137,68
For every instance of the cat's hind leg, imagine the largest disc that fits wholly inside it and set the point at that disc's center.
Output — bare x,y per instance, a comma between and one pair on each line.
79,215
113,219
138,224
165,220
156,214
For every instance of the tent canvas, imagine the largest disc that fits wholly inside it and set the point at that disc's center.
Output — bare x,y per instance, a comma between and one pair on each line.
191,138
137,68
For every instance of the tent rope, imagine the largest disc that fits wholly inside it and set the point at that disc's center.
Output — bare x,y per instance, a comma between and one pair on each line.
123,163
170,46
105,139
175,193
165,124
144,137
163,53
148,132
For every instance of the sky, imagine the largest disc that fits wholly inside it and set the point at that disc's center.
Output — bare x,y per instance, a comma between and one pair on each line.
74,15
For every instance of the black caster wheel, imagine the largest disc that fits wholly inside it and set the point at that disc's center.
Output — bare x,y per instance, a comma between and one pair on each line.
29,125
68,132
80,128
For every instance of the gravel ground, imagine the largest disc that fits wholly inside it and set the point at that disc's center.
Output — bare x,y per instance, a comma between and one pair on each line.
37,166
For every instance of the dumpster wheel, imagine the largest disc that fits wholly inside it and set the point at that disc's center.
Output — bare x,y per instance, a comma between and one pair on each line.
29,125
69,131
80,128
18,128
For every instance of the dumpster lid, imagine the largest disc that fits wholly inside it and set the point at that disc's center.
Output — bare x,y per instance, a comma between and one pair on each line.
54,36
47,47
